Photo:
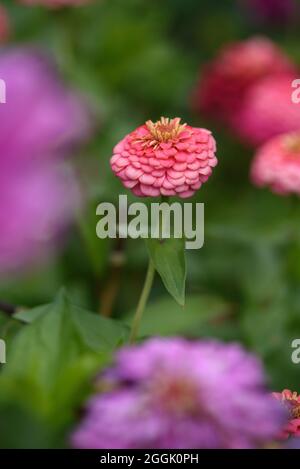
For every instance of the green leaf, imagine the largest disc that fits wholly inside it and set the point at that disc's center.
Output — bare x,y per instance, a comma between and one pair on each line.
51,361
30,315
8,327
20,429
200,312
168,257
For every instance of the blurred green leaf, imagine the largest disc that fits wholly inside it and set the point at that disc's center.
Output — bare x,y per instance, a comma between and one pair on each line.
8,327
52,359
168,257
163,317
20,429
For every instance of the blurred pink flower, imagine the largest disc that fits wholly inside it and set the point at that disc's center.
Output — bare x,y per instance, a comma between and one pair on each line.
4,25
291,402
277,164
227,79
39,123
55,3
165,158
268,111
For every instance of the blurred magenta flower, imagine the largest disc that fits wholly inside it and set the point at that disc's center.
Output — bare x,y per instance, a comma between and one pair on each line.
271,11
227,79
277,164
291,402
39,123
36,204
4,25
268,111
165,158
172,393
56,3
41,117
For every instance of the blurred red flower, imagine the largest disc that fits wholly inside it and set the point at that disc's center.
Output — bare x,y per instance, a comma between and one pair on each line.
226,81
268,110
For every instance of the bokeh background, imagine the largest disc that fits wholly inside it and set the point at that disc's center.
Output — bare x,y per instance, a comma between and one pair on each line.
131,61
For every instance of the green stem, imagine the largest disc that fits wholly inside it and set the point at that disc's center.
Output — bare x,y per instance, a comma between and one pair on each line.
142,302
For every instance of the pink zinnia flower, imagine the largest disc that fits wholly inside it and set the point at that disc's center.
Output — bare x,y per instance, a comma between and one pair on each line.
173,393
268,111
165,158
39,124
227,79
4,25
277,164
291,402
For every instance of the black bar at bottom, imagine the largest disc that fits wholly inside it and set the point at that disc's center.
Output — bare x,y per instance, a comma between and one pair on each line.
133,458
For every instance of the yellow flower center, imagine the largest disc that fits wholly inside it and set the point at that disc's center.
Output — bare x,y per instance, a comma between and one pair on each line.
165,129
293,404
176,395
295,412
292,143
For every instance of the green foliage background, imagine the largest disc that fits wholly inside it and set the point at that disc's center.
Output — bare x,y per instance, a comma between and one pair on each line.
137,60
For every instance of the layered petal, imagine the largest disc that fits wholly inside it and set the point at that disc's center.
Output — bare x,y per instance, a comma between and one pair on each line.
165,158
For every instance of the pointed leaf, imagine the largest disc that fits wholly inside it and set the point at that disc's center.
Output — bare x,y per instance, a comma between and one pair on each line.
51,361
168,256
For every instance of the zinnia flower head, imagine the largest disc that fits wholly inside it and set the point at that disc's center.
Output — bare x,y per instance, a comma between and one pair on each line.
227,79
4,25
277,164
165,158
39,123
268,111
291,402
173,393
